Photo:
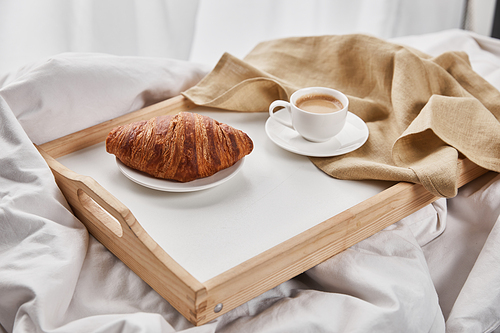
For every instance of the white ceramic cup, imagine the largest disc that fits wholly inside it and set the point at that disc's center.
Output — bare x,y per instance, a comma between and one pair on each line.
315,127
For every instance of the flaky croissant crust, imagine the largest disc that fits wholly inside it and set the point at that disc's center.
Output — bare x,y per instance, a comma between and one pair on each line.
183,147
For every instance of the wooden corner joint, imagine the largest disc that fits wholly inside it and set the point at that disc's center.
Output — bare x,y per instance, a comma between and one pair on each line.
198,313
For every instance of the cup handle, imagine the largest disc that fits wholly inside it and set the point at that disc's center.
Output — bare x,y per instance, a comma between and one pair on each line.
285,105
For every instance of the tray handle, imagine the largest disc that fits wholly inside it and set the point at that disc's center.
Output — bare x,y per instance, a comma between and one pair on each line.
114,225
88,200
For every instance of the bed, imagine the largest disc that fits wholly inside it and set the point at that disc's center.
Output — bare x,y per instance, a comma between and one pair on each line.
434,271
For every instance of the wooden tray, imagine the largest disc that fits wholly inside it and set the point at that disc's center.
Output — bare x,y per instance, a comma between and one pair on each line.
114,225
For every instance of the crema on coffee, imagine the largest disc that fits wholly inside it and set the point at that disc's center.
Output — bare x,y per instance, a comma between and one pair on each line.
319,103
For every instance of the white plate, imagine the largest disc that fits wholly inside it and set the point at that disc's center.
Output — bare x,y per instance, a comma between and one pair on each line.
353,135
146,180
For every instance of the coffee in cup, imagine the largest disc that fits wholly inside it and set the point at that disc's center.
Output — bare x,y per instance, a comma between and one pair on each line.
316,113
319,103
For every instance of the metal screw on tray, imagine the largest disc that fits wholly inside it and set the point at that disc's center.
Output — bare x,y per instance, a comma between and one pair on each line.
218,308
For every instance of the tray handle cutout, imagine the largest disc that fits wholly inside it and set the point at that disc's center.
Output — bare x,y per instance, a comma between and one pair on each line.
99,213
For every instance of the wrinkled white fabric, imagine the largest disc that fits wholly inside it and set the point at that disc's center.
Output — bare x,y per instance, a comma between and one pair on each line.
72,91
42,245
367,288
53,276
434,271
468,277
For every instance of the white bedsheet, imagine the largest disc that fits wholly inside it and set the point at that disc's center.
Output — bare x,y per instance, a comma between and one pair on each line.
435,271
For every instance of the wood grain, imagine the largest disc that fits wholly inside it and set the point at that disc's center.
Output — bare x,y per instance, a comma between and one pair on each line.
95,134
123,235
298,254
128,241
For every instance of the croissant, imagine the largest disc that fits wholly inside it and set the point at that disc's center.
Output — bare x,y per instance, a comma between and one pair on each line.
183,147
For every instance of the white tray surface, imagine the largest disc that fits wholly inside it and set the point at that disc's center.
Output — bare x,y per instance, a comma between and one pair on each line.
276,195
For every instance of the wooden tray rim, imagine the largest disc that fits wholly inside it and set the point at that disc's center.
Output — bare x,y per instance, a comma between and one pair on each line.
202,302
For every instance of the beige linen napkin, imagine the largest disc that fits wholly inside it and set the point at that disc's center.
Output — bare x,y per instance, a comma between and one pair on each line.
422,112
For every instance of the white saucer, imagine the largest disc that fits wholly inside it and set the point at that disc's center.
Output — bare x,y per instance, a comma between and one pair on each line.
353,135
146,180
